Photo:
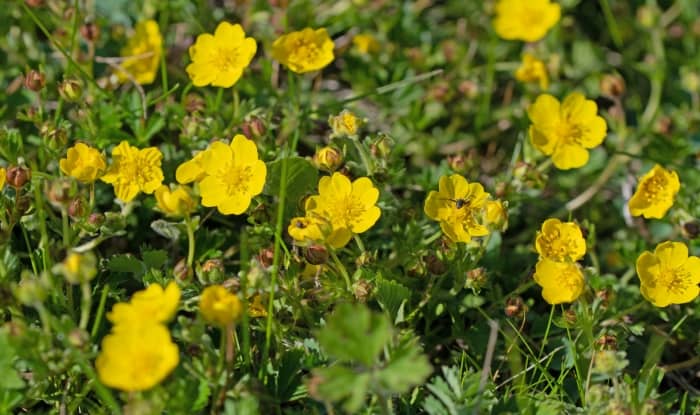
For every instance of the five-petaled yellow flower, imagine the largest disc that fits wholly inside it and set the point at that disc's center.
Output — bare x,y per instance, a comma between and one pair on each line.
561,282
137,358
344,124
566,131
305,50
142,54
229,176
459,206
669,275
655,193
134,170
560,241
177,202
150,306
526,20
532,70
219,306
84,163
220,59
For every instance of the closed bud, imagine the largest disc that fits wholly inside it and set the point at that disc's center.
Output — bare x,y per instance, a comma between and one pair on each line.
60,193
316,254
30,291
328,159
382,145
17,176
515,307
253,128
70,90
90,32
212,270
78,268
193,103
34,80
458,163
570,317
362,289
647,16
612,85
476,279
607,342
434,264
691,230
78,338
265,257
96,219
181,271
77,208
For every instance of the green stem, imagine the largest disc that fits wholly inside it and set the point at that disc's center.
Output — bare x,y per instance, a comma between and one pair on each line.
363,156
341,268
85,305
219,97
190,242
100,311
612,24
236,104
359,243
546,332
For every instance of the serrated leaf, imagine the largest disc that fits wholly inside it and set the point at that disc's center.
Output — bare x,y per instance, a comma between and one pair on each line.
408,367
166,229
154,258
342,384
353,333
126,263
392,297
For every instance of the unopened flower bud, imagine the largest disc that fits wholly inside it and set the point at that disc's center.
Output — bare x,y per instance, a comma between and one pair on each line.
96,219
78,268
265,257
194,103
34,80
253,128
381,147
78,338
181,271
515,307
316,254
476,279
30,291
612,85
60,193
362,289
328,159
77,208
607,342
691,230
212,270
17,176
90,32
434,264
70,90
647,16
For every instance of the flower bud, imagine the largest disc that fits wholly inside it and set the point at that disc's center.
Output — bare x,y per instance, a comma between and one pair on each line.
212,270
476,279
362,289
612,85
17,176
265,257
96,219
181,271
382,145
78,268
515,307
607,342
691,230
344,124
434,264
60,193
218,306
328,159
78,338
34,80
90,32
458,163
70,90
254,128
496,215
34,3
316,254
647,16
30,290
77,208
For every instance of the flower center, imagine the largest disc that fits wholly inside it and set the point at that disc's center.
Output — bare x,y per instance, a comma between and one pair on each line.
569,133
347,211
225,59
675,280
305,51
654,188
556,247
236,179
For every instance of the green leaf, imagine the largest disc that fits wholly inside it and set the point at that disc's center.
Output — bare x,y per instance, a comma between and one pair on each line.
342,384
302,179
170,230
154,258
126,263
353,333
10,379
392,296
407,367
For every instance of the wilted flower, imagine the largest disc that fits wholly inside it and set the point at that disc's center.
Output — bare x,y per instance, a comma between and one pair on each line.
561,282
528,21
219,306
220,59
532,70
566,131
459,207
142,54
178,202
304,51
655,193
344,124
83,163
134,170
560,241
669,275
138,358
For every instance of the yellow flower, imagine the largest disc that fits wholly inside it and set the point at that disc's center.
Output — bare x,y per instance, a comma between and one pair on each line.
459,207
343,208
150,306
304,51
365,43
256,308
560,241
496,214
191,170
525,20
532,70
137,359
220,59
133,171
178,202
669,275
3,177
565,131
655,193
84,163
344,124
218,306
233,174
305,229
142,54
561,282
78,268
